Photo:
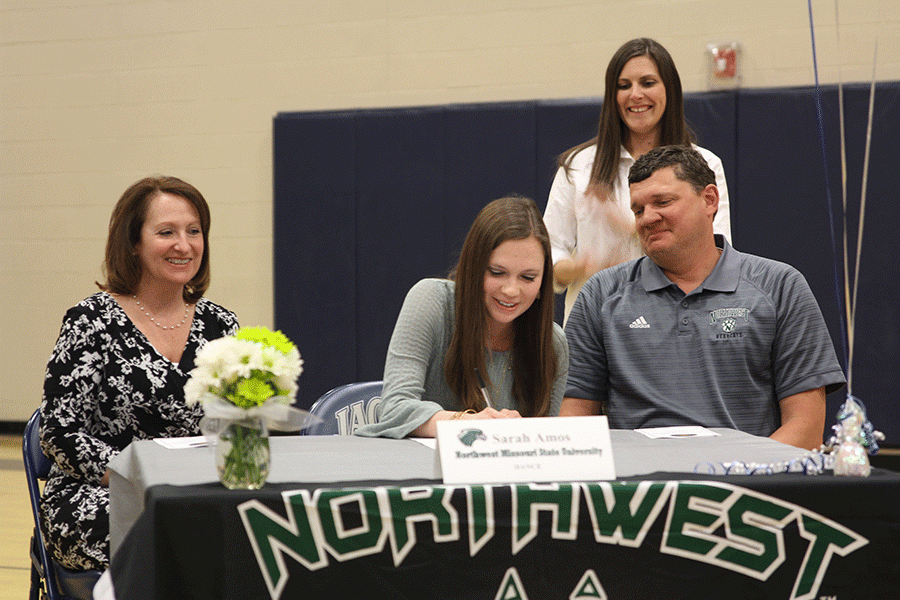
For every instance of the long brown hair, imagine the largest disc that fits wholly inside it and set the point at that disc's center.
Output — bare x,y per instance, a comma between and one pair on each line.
612,130
533,353
121,266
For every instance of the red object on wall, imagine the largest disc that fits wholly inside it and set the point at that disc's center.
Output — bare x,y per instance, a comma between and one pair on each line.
725,62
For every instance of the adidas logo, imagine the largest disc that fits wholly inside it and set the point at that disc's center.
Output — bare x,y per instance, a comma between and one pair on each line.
640,323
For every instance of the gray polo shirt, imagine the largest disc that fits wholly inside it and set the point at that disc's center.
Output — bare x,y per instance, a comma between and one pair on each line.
721,356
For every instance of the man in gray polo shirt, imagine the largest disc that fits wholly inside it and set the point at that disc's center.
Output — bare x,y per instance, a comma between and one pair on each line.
695,332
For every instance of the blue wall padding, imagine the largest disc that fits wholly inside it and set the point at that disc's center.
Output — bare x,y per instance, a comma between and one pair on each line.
367,202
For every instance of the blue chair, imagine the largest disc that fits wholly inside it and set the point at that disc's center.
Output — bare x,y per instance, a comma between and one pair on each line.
59,583
346,408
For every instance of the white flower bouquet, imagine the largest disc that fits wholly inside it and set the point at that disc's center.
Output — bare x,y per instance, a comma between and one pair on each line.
246,384
247,370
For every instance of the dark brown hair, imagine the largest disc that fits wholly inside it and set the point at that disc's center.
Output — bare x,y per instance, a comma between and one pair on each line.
121,266
686,162
612,130
533,353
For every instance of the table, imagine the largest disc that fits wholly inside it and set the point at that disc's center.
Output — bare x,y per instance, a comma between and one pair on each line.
347,517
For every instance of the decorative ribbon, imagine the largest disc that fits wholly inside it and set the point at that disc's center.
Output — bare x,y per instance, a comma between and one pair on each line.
275,412
831,230
845,453
852,421
848,315
811,463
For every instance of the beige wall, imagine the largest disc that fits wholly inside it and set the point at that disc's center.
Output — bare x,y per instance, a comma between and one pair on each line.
95,94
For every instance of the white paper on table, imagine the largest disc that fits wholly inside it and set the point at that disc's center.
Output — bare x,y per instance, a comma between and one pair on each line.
430,442
180,443
682,431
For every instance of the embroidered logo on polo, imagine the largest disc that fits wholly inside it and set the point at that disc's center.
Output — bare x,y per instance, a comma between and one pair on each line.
640,323
729,319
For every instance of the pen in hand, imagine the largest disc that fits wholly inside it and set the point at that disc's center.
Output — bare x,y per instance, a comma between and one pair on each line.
484,392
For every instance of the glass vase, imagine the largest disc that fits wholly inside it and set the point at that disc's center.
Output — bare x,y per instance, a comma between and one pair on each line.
242,454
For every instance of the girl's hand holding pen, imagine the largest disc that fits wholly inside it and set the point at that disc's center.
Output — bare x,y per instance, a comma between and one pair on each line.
429,429
487,413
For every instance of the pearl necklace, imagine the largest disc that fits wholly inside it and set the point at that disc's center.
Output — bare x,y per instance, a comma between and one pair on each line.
152,320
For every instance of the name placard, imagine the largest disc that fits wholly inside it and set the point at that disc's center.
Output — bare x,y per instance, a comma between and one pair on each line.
525,450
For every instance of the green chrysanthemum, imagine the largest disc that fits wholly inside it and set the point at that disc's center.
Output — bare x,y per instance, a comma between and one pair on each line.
264,336
250,392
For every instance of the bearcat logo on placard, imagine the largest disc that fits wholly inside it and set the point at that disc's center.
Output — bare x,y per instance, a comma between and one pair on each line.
719,524
468,436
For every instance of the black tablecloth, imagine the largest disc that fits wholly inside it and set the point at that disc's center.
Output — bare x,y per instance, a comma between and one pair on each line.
656,535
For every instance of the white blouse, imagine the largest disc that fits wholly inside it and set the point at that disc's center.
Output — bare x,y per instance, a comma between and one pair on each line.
582,224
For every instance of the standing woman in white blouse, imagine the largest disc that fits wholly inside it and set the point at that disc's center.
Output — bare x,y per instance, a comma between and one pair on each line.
588,214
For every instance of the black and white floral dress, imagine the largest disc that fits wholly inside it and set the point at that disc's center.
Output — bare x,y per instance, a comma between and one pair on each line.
106,386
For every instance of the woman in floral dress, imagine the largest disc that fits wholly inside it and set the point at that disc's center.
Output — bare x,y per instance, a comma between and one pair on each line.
118,370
